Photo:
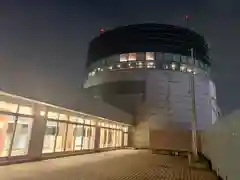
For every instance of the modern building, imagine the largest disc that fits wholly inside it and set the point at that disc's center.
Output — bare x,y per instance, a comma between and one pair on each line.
158,73
31,130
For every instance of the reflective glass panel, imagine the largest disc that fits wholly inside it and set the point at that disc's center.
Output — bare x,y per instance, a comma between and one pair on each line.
149,55
78,133
6,133
22,136
49,137
61,137
8,107
123,57
132,56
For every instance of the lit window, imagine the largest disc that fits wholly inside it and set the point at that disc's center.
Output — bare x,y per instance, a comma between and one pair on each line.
182,68
165,66
25,110
123,57
87,121
9,107
63,117
132,56
173,66
189,70
93,122
150,56
150,65
52,115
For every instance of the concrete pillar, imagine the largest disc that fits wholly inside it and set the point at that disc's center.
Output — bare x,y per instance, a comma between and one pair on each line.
38,131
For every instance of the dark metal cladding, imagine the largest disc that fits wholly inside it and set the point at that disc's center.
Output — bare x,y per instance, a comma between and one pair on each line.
148,38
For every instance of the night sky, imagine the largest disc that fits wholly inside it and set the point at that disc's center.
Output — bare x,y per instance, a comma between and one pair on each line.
43,44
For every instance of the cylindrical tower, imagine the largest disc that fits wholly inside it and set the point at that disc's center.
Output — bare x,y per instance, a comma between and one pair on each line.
146,70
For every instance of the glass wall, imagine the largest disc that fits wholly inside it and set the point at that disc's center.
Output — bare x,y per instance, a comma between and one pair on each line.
111,135
15,129
65,131
152,60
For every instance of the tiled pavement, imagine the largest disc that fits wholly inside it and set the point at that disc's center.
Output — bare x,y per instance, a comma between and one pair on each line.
115,165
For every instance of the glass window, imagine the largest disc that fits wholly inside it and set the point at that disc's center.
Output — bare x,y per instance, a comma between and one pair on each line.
52,115
149,56
92,138
125,139
9,107
6,133
87,137
78,134
22,136
132,56
123,57
63,117
119,139
49,137
61,136
87,121
25,110
70,138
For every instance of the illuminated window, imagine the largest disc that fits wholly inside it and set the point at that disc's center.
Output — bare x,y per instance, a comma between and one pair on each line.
150,65
182,68
25,110
123,57
22,136
61,135
87,121
173,66
132,56
76,119
52,115
189,70
149,55
63,117
165,66
9,107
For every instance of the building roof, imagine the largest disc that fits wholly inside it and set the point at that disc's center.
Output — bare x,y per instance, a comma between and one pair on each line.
148,37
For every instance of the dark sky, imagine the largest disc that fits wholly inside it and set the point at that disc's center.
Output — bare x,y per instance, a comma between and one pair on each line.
43,44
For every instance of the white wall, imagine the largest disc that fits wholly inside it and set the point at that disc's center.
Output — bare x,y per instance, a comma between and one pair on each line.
221,145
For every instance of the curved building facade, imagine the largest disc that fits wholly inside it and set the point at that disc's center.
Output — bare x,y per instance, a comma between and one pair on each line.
154,72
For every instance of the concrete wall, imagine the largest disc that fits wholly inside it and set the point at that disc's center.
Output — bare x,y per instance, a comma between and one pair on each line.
221,145
169,102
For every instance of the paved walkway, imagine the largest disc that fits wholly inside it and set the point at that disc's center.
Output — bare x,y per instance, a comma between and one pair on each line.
114,165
